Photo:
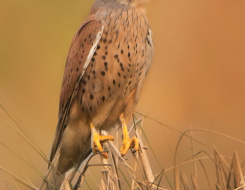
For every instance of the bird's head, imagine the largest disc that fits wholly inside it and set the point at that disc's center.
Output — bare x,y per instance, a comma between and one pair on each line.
127,2
133,1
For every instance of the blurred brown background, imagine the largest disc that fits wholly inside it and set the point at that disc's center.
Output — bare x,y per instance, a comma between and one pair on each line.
197,79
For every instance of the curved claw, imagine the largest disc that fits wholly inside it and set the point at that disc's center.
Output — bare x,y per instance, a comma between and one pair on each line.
97,138
129,143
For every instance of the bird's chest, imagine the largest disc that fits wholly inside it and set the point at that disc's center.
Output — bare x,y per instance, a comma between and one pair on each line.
118,62
122,47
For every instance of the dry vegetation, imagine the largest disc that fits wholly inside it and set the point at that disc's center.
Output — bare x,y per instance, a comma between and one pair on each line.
229,175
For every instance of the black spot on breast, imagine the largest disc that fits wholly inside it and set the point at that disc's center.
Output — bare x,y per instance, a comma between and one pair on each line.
91,96
119,74
98,47
104,57
95,53
121,51
77,69
129,82
131,76
106,66
129,65
88,77
119,85
106,53
83,91
93,72
80,62
109,88
114,82
85,40
102,73
128,70
93,59
91,109
116,56
121,65
103,98
128,54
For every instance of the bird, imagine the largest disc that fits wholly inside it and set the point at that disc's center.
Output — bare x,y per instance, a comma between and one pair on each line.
108,60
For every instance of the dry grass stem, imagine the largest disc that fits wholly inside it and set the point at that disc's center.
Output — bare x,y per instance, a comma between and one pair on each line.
16,187
176,178
144,159
194,180
19,180
7,184
184,181
237,171
229,175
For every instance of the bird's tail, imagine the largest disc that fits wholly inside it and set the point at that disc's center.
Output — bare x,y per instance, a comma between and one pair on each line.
53,179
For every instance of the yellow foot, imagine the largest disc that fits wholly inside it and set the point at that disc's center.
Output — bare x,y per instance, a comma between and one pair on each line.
127,142
97,138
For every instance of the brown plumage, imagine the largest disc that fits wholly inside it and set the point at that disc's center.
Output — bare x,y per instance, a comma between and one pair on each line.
107,63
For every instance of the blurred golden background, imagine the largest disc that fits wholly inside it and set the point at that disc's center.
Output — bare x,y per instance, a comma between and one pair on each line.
197,78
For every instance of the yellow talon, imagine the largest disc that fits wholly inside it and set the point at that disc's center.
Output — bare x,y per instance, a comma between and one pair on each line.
97,138
127,142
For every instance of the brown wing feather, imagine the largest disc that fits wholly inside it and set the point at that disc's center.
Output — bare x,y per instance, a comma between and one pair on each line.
78,56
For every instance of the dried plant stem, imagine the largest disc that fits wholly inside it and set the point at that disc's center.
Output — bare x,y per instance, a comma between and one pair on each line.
7,184
19,180
176,178
135,168
194,180
184,181
144,159
237,171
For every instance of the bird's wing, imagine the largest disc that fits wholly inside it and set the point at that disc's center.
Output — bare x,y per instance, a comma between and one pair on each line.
149,50
81,51
149,55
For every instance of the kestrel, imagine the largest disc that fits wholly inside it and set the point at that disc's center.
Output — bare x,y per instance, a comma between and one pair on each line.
108,60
